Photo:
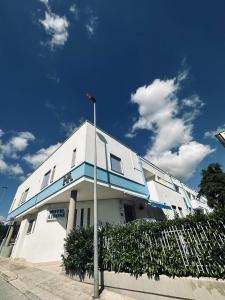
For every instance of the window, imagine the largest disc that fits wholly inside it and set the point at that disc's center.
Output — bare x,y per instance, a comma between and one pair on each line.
24,196
175,211
81,217
88,216
45,180
180,212
30,226
176,188
53,174
116,163
74,158
75,218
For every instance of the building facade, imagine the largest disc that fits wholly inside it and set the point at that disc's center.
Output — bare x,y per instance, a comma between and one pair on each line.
60,191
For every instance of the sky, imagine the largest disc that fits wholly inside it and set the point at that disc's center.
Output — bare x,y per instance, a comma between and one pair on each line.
156,68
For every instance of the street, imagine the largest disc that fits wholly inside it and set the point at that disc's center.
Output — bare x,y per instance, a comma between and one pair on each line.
22,281
9,292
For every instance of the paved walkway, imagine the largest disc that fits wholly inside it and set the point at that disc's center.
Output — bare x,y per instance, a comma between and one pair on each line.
43,282
9,292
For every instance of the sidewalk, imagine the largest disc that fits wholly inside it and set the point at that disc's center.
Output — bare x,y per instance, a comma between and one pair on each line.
46,281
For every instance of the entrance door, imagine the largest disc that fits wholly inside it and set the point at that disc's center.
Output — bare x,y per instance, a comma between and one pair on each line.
129,211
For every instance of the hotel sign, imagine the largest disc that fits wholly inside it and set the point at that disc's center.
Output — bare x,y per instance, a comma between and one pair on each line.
56,213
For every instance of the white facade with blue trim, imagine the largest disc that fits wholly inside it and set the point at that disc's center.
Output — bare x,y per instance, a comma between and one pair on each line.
129,188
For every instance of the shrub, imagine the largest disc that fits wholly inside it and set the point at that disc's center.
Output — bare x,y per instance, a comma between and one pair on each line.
193,246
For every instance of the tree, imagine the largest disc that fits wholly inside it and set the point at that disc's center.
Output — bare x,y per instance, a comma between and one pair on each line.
212,186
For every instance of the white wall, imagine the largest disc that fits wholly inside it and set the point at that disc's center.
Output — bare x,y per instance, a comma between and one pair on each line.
61,159
19,239
108,211
162,287
45,242
129,159
161,193
83,141
169,181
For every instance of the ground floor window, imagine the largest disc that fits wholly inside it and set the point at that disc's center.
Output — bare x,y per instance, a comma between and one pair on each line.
88,216
129,211
82,217
30,226
75,218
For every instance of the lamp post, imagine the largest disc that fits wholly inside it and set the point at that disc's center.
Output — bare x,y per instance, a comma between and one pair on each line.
4,188
96,274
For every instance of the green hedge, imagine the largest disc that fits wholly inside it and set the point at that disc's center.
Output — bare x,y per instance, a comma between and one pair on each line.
193,246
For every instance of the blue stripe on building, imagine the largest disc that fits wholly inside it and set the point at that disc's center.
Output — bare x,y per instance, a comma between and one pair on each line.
84,170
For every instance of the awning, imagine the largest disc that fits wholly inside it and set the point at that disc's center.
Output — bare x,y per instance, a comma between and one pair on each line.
159,205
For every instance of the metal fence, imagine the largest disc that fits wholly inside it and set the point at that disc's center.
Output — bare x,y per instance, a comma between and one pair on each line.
198,247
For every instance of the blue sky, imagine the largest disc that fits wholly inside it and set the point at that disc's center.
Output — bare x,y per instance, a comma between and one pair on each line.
157,69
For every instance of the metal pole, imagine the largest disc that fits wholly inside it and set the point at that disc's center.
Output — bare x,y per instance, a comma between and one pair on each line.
96,275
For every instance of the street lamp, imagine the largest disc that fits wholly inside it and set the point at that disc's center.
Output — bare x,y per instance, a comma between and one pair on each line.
221,137
4,188
96,274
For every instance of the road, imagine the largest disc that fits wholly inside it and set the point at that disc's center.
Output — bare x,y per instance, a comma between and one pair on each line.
25,281
9,292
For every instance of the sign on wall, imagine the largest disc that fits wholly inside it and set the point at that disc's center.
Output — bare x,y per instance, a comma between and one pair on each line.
56,213
67,178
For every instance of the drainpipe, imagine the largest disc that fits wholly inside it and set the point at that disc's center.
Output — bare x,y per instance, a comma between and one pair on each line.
72,205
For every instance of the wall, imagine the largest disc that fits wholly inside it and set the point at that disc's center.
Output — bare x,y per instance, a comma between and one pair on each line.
106,145
45,242
83,141
200,204
108,211
61,158
162,288
163,194
187,193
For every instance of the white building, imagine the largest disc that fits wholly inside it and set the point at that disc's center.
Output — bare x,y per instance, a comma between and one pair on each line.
129,188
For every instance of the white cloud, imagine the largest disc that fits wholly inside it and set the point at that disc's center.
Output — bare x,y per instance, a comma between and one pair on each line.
212,133
181,163
10,169
44,1
57,27
17,143
53,77
15,169
171,122
10,150
57,111
35,160
2,219
91,25
130,135
3,166
74,10
69,127
1,132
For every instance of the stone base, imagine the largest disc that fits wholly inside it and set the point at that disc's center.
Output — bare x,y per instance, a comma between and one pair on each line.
6,251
